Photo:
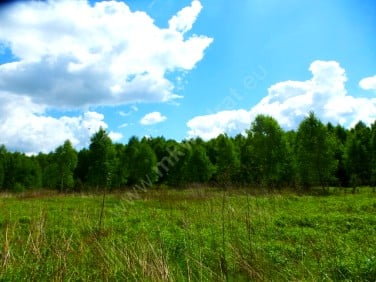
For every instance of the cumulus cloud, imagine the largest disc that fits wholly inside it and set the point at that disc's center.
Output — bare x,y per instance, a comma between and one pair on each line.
25,127
152,118
210,126
73,54
368,83
115,136
70,54
183,21
290,101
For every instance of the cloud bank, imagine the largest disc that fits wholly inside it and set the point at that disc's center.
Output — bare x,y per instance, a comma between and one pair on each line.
290,101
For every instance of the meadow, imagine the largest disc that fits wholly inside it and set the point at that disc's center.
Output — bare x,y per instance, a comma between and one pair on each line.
188,235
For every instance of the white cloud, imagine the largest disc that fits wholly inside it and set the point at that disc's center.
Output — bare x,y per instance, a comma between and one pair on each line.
210,126
25,127
290,101
183,21
115,136
74,54
152,118
368,83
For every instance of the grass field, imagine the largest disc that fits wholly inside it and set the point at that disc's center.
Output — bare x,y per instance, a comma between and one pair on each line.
189,235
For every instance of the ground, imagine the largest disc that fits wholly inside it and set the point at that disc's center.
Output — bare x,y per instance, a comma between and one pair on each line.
189,235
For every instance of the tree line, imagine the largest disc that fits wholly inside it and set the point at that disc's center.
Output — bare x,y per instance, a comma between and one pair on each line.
266,157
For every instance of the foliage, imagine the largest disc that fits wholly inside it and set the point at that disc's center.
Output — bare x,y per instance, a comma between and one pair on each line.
175,164
21,171
66,162
316,163
268,151
266,157
358,156
199,168
3,153
140,162
101,156
226,159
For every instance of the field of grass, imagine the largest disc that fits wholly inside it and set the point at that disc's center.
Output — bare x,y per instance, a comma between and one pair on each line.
189,235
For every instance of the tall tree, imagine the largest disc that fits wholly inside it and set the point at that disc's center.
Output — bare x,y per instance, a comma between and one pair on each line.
226,160
3,154
268,151
315,158
101,159
82,170
175,166
146,165
340,137
120,175
291,170
199,168
66,162
22,172
141,162
373,154
48,167
243,145
161,148
359,155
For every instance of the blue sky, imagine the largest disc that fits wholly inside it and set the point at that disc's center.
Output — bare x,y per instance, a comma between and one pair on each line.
180,68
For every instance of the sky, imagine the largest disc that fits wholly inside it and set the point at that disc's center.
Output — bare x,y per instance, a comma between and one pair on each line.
180,69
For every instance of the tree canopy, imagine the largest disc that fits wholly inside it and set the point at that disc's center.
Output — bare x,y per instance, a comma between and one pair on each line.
265,157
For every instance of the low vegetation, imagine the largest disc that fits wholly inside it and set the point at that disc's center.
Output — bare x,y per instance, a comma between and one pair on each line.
189,235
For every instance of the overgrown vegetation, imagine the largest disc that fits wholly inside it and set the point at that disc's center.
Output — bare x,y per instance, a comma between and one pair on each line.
267,157
189,235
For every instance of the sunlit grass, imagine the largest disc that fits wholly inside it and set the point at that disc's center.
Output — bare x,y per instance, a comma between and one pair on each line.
194,234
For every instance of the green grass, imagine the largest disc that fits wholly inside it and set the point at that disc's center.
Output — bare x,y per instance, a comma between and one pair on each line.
189,235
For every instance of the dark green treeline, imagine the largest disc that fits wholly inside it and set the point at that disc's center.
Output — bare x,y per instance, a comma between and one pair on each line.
266,157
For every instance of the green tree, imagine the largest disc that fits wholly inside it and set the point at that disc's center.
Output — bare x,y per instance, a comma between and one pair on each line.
291,170
373,154
141,163
120,175
147,164
101,159
340,137
3,154
48,168
268,151
175,165
358,155
315,157
66,163
225,157
243,145
22,172
199,167
82,169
